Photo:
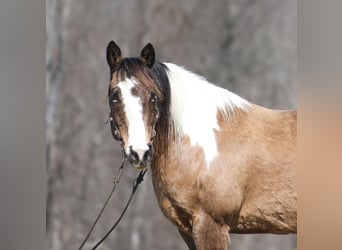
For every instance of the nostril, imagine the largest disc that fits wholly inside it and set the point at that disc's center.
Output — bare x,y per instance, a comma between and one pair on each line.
148,153
133,155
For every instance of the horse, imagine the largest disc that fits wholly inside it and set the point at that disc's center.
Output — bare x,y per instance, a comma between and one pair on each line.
219,163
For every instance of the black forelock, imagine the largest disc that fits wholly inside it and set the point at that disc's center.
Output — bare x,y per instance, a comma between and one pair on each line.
127,67
134,67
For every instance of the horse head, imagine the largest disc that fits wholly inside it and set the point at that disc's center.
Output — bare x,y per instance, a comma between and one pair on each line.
135,103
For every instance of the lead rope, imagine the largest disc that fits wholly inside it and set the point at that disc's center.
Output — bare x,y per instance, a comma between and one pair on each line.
116,181
136,183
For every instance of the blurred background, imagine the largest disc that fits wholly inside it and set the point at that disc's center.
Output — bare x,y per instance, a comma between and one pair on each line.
246,46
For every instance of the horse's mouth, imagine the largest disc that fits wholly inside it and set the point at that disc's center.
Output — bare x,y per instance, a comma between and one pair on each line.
139,166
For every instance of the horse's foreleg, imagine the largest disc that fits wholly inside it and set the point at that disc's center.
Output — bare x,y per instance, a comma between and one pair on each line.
188,240
208,234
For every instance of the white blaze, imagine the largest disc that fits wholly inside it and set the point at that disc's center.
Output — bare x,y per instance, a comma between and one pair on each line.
134,114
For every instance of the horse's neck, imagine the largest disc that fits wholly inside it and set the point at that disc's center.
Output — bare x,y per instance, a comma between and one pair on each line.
195,101
195,105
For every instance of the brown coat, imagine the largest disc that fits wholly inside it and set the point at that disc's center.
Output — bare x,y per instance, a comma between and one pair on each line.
250,186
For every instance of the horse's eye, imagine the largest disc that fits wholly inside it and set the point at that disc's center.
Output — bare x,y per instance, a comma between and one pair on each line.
114,97
153,98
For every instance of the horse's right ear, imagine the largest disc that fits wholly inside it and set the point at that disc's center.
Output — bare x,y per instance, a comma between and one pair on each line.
113,55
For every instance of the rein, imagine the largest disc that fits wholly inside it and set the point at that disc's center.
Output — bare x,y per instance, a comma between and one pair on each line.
117,136
116,181
136,183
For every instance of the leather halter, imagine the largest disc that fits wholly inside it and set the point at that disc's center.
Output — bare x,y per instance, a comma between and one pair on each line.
116,131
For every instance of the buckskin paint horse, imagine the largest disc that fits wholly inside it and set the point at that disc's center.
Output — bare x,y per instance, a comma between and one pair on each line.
219,163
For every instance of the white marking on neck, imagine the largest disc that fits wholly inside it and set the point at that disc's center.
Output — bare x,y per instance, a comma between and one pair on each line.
134,114
194,106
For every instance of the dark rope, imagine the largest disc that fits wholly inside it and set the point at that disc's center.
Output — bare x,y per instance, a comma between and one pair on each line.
116,181
136,183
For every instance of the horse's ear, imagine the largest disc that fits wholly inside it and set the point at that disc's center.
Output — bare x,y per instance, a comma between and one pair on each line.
148,55
113,55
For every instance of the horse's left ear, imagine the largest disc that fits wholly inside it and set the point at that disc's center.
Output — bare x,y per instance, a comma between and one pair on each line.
148,55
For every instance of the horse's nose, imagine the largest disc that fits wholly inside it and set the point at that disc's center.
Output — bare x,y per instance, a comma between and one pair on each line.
140,157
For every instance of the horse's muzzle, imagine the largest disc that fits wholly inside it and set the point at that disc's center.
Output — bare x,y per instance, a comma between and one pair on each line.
140,158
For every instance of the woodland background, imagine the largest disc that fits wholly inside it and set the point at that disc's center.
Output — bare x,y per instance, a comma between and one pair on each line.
247,46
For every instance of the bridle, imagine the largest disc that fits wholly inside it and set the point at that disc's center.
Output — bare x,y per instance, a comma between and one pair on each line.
117,136
115,128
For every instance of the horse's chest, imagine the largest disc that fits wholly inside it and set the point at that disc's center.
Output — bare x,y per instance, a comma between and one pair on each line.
177,202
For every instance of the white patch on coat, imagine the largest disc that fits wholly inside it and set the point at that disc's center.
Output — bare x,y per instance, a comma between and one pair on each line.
134,114
194,106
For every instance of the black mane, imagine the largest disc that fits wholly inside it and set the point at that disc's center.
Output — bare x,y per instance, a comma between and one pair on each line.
159,71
